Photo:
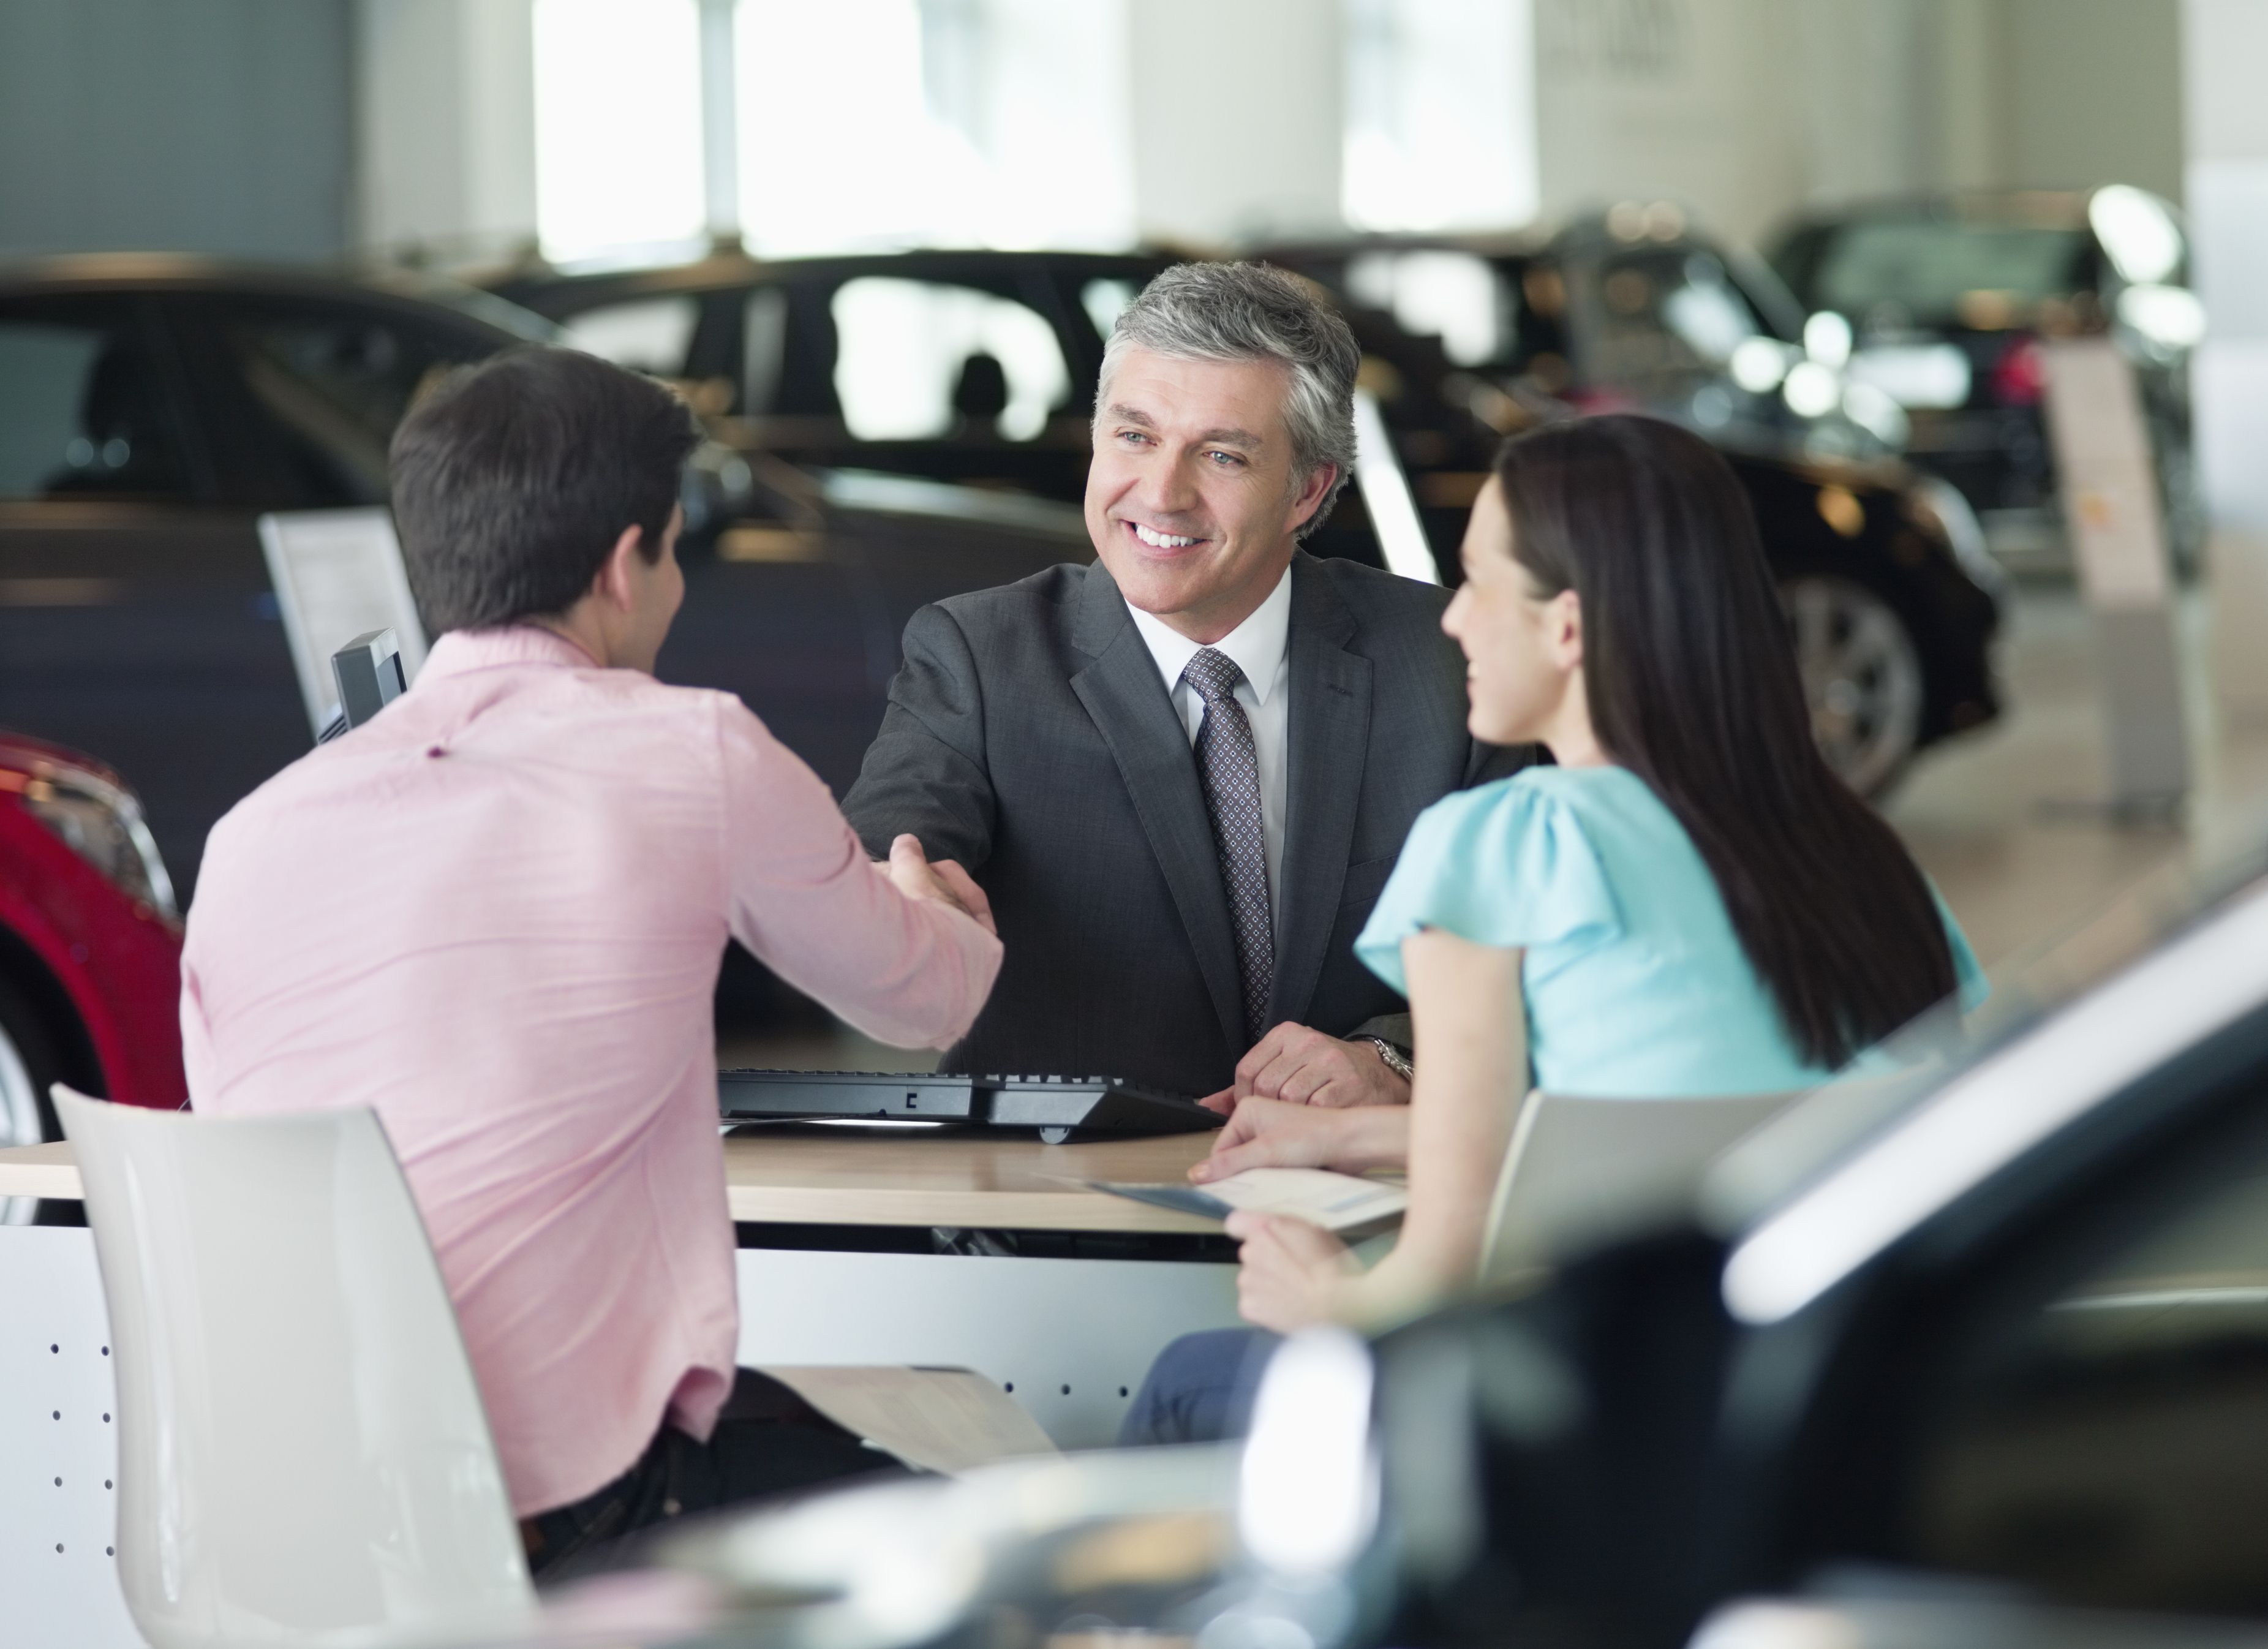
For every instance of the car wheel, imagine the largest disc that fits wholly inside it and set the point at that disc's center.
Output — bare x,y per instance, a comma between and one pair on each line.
1861,677
27,1066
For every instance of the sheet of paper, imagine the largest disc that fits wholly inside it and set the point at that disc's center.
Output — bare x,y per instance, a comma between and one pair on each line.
1337,1202
939,1419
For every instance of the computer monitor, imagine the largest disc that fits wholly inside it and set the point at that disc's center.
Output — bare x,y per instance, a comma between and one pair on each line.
339,577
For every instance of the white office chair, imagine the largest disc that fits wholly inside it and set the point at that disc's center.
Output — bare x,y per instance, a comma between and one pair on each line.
303,1455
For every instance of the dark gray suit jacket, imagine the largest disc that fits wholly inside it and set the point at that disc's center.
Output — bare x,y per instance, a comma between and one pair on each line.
1029,736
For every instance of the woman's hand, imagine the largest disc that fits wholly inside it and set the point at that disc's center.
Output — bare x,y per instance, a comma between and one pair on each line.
1276,1134
1291,1274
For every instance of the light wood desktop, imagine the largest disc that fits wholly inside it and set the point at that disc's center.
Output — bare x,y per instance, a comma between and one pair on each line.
839,1178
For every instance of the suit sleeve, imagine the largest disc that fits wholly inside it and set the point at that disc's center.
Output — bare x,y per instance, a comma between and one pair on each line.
925,772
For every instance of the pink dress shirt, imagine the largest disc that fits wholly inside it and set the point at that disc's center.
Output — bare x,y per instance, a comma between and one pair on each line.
494,914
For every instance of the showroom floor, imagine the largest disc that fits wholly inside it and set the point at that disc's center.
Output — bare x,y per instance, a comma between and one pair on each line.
2002,820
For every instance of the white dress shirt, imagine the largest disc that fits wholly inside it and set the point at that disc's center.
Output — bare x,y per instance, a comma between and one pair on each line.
1260,647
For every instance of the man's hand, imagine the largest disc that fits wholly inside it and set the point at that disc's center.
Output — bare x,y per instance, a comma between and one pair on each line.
1290,1274
1305,1067
944,882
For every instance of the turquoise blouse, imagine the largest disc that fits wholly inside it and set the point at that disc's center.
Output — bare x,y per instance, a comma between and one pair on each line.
1636,986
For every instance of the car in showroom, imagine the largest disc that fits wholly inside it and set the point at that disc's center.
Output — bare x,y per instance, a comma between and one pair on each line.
979,368
1943,302
1992,1328
90,945
153,409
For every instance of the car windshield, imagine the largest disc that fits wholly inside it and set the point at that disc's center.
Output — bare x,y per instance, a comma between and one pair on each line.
1925,272
1943,1050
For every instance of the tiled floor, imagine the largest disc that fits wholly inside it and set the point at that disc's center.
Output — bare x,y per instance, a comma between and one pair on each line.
2001,818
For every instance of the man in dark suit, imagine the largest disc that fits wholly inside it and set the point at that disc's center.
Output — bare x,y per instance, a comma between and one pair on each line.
1183,773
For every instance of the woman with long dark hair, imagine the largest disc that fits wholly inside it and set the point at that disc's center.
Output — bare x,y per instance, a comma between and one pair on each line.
1689,903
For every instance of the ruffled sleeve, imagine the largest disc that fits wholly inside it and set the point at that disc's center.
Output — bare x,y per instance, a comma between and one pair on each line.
1507,865
1970,983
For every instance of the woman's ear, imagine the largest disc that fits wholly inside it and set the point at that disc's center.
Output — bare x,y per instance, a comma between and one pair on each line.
1564,636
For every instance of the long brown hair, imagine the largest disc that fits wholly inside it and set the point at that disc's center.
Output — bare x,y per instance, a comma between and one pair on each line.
1693,685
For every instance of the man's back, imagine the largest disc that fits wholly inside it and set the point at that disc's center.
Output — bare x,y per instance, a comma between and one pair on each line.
494,915
1030,737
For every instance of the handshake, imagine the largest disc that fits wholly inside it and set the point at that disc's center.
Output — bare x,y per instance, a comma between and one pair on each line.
944,882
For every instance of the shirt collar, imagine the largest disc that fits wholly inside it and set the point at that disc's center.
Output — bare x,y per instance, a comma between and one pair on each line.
1257,645
460,650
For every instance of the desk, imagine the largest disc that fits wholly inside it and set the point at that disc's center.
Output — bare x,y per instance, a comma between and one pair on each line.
841,1177
1070,1337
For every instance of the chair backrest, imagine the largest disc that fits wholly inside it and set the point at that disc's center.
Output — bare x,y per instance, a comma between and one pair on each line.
303,1455
1581,1171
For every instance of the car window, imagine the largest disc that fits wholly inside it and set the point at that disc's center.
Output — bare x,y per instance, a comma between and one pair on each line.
1456,296
648,335
917,360
82,413
334,385
1928,272
1672,311
2108,1442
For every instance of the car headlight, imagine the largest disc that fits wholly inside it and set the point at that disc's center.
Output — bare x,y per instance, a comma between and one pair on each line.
102,823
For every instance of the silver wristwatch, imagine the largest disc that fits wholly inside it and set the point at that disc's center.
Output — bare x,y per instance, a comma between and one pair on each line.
1393,1058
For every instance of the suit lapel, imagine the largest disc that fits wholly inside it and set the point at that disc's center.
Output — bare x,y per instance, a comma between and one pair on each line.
1327,736
1130,706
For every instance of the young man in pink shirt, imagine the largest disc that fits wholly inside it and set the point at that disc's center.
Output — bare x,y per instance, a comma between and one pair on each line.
494,914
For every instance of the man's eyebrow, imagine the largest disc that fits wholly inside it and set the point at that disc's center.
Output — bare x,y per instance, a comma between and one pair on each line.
1125,414
1231,438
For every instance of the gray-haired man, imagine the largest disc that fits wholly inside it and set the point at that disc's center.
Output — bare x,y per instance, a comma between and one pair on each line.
1183,773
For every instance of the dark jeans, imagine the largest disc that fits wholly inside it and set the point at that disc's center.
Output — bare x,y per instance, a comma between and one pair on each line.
1200,1389
768,1442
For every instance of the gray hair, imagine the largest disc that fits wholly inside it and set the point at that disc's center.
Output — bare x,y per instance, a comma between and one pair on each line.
1250,311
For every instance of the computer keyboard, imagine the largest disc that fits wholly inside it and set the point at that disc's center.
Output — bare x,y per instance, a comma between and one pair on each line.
1059,1108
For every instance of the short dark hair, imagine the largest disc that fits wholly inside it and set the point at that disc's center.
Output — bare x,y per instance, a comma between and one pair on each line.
513,478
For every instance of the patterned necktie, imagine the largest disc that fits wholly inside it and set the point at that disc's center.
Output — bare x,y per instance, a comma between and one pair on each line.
1228,763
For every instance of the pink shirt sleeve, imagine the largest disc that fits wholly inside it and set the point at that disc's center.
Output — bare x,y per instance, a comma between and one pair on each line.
823,917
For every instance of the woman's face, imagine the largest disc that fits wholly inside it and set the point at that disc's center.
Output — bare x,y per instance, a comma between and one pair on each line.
1523,651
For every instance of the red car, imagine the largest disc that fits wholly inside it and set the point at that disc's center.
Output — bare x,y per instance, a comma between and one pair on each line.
90,943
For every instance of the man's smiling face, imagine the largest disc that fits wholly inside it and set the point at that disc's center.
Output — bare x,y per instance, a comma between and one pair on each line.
1191,499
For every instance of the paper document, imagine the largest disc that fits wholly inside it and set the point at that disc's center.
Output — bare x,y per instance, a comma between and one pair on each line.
1337,1202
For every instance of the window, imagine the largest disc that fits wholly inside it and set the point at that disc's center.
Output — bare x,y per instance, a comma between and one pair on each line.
81,414
2111,1447
917,360
333,387
1440,114
651,334
1453,296
618,159
1673,312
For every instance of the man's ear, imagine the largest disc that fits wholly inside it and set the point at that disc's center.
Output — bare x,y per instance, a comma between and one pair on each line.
1311,495
616,582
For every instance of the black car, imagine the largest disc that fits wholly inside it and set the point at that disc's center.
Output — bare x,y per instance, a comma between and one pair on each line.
980,367
152,409
1891,596
1944,300
1996,1329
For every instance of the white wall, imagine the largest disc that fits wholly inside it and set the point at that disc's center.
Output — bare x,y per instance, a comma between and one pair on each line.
1235,116
446,125
1748,109
149,125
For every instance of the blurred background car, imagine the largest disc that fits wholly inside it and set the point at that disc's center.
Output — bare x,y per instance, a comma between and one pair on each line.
151,409
1941,302
980,367
1633,308
90,945
1994,1326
